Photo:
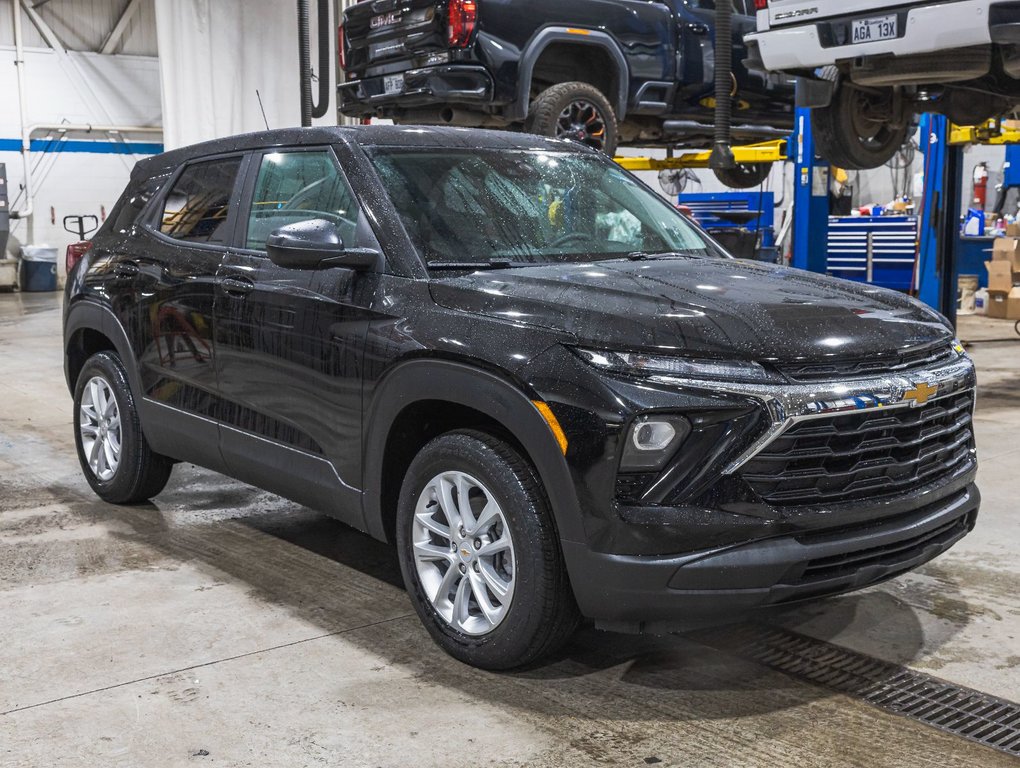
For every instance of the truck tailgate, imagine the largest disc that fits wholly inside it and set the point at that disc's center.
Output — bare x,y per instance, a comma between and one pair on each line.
783,12
387,36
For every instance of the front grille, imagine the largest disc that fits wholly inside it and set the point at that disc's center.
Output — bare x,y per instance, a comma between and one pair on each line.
877,364
904,551
860,455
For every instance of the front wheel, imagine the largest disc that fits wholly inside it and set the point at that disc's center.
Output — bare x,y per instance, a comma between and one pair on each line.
114,454
577,111
479,553
855,131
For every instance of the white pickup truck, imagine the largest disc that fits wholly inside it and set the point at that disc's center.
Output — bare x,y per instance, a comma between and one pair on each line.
867,68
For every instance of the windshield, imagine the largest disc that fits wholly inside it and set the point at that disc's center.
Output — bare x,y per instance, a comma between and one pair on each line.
466,208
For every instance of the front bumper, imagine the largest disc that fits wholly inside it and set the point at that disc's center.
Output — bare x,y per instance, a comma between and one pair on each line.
426,87
937,27
702,542
659,594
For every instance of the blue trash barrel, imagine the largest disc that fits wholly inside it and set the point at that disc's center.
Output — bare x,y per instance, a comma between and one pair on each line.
38,268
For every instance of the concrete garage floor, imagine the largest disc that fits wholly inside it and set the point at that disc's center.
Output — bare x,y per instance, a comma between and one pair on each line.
225,626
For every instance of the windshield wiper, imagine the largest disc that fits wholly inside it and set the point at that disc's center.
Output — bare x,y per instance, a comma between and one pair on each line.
645,256
463,265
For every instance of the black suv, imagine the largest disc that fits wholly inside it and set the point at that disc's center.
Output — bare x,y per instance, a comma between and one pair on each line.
606,72
506,354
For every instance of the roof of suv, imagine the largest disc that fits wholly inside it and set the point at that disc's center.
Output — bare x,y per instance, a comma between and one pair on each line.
368,135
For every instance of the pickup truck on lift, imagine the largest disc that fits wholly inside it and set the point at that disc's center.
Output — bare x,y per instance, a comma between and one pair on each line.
606,72
867,68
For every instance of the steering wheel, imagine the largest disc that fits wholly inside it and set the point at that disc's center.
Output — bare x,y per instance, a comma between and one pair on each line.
569,237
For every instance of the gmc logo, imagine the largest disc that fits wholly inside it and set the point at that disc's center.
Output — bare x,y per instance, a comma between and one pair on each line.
386,20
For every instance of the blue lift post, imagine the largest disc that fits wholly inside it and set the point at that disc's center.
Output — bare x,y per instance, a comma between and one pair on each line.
810,199
940,217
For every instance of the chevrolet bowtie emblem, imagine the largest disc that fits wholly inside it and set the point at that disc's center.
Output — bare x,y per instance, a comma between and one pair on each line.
920,394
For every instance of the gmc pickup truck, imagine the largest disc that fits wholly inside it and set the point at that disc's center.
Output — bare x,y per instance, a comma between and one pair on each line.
605,72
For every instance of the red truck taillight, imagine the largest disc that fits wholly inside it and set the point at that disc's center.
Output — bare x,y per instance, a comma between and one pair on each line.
74,254
462,19
761,5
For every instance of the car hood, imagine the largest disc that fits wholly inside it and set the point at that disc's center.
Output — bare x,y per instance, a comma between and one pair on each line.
720,308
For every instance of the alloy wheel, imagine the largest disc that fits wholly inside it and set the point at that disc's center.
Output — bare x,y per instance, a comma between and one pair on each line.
100,427
582,121
463,553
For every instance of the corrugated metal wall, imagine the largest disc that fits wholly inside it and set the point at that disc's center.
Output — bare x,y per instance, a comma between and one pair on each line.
83,25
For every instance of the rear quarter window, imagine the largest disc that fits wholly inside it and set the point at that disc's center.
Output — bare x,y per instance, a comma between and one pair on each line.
135,198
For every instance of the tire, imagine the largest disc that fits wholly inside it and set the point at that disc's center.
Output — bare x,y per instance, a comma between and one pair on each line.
744,176
851,132
576,111
132,474
539,613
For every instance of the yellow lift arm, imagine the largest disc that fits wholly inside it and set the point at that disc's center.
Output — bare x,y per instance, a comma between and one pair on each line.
991,133
765,152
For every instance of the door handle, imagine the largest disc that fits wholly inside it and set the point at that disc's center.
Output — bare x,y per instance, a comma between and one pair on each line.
237,286
696,28
126,269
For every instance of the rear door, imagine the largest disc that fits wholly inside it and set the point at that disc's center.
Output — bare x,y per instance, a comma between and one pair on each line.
386,36
290,341
176,258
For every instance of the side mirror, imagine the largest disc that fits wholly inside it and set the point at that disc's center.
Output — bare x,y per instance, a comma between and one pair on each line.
315,244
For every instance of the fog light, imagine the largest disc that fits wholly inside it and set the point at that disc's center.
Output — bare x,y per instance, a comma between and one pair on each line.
653,435
652,441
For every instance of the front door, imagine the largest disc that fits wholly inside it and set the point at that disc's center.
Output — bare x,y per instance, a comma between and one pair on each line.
290,341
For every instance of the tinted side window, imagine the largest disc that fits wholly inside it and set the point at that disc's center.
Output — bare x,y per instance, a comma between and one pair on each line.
197,208
135,199
298,186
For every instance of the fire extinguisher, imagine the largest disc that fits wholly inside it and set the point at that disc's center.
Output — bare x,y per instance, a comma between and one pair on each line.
980,185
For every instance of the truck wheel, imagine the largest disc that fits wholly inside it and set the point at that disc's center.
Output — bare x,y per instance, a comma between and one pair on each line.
114,455
744,176
854,133
480,555
575,111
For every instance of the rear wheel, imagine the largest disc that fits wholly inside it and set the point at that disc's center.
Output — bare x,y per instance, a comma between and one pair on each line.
576,111
744,176
114,455
855,131
479,553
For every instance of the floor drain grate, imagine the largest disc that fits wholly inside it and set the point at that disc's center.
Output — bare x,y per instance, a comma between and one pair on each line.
952,708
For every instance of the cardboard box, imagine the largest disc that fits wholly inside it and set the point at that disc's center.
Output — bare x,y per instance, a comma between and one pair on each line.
1000,276
1007,249
1004,305
1013,230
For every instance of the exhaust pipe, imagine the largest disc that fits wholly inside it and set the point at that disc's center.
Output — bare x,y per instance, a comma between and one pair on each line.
722,150
308,108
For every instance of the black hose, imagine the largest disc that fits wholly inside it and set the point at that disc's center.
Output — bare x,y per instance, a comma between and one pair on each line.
304,62
722,152
325,60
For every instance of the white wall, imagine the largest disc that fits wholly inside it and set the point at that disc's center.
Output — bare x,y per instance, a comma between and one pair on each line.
215,54
76,88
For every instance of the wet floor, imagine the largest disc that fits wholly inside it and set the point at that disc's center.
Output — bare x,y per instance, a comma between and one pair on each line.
222,625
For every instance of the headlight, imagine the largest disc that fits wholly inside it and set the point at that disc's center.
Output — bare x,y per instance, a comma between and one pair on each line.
636,363
958,347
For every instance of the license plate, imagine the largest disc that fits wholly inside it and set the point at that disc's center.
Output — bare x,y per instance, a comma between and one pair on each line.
393,84
871,30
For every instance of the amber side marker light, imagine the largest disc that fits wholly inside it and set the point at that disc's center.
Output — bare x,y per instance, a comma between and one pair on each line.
554,424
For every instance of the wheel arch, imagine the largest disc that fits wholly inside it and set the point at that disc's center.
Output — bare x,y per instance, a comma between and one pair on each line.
91,328
549,36
455,395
